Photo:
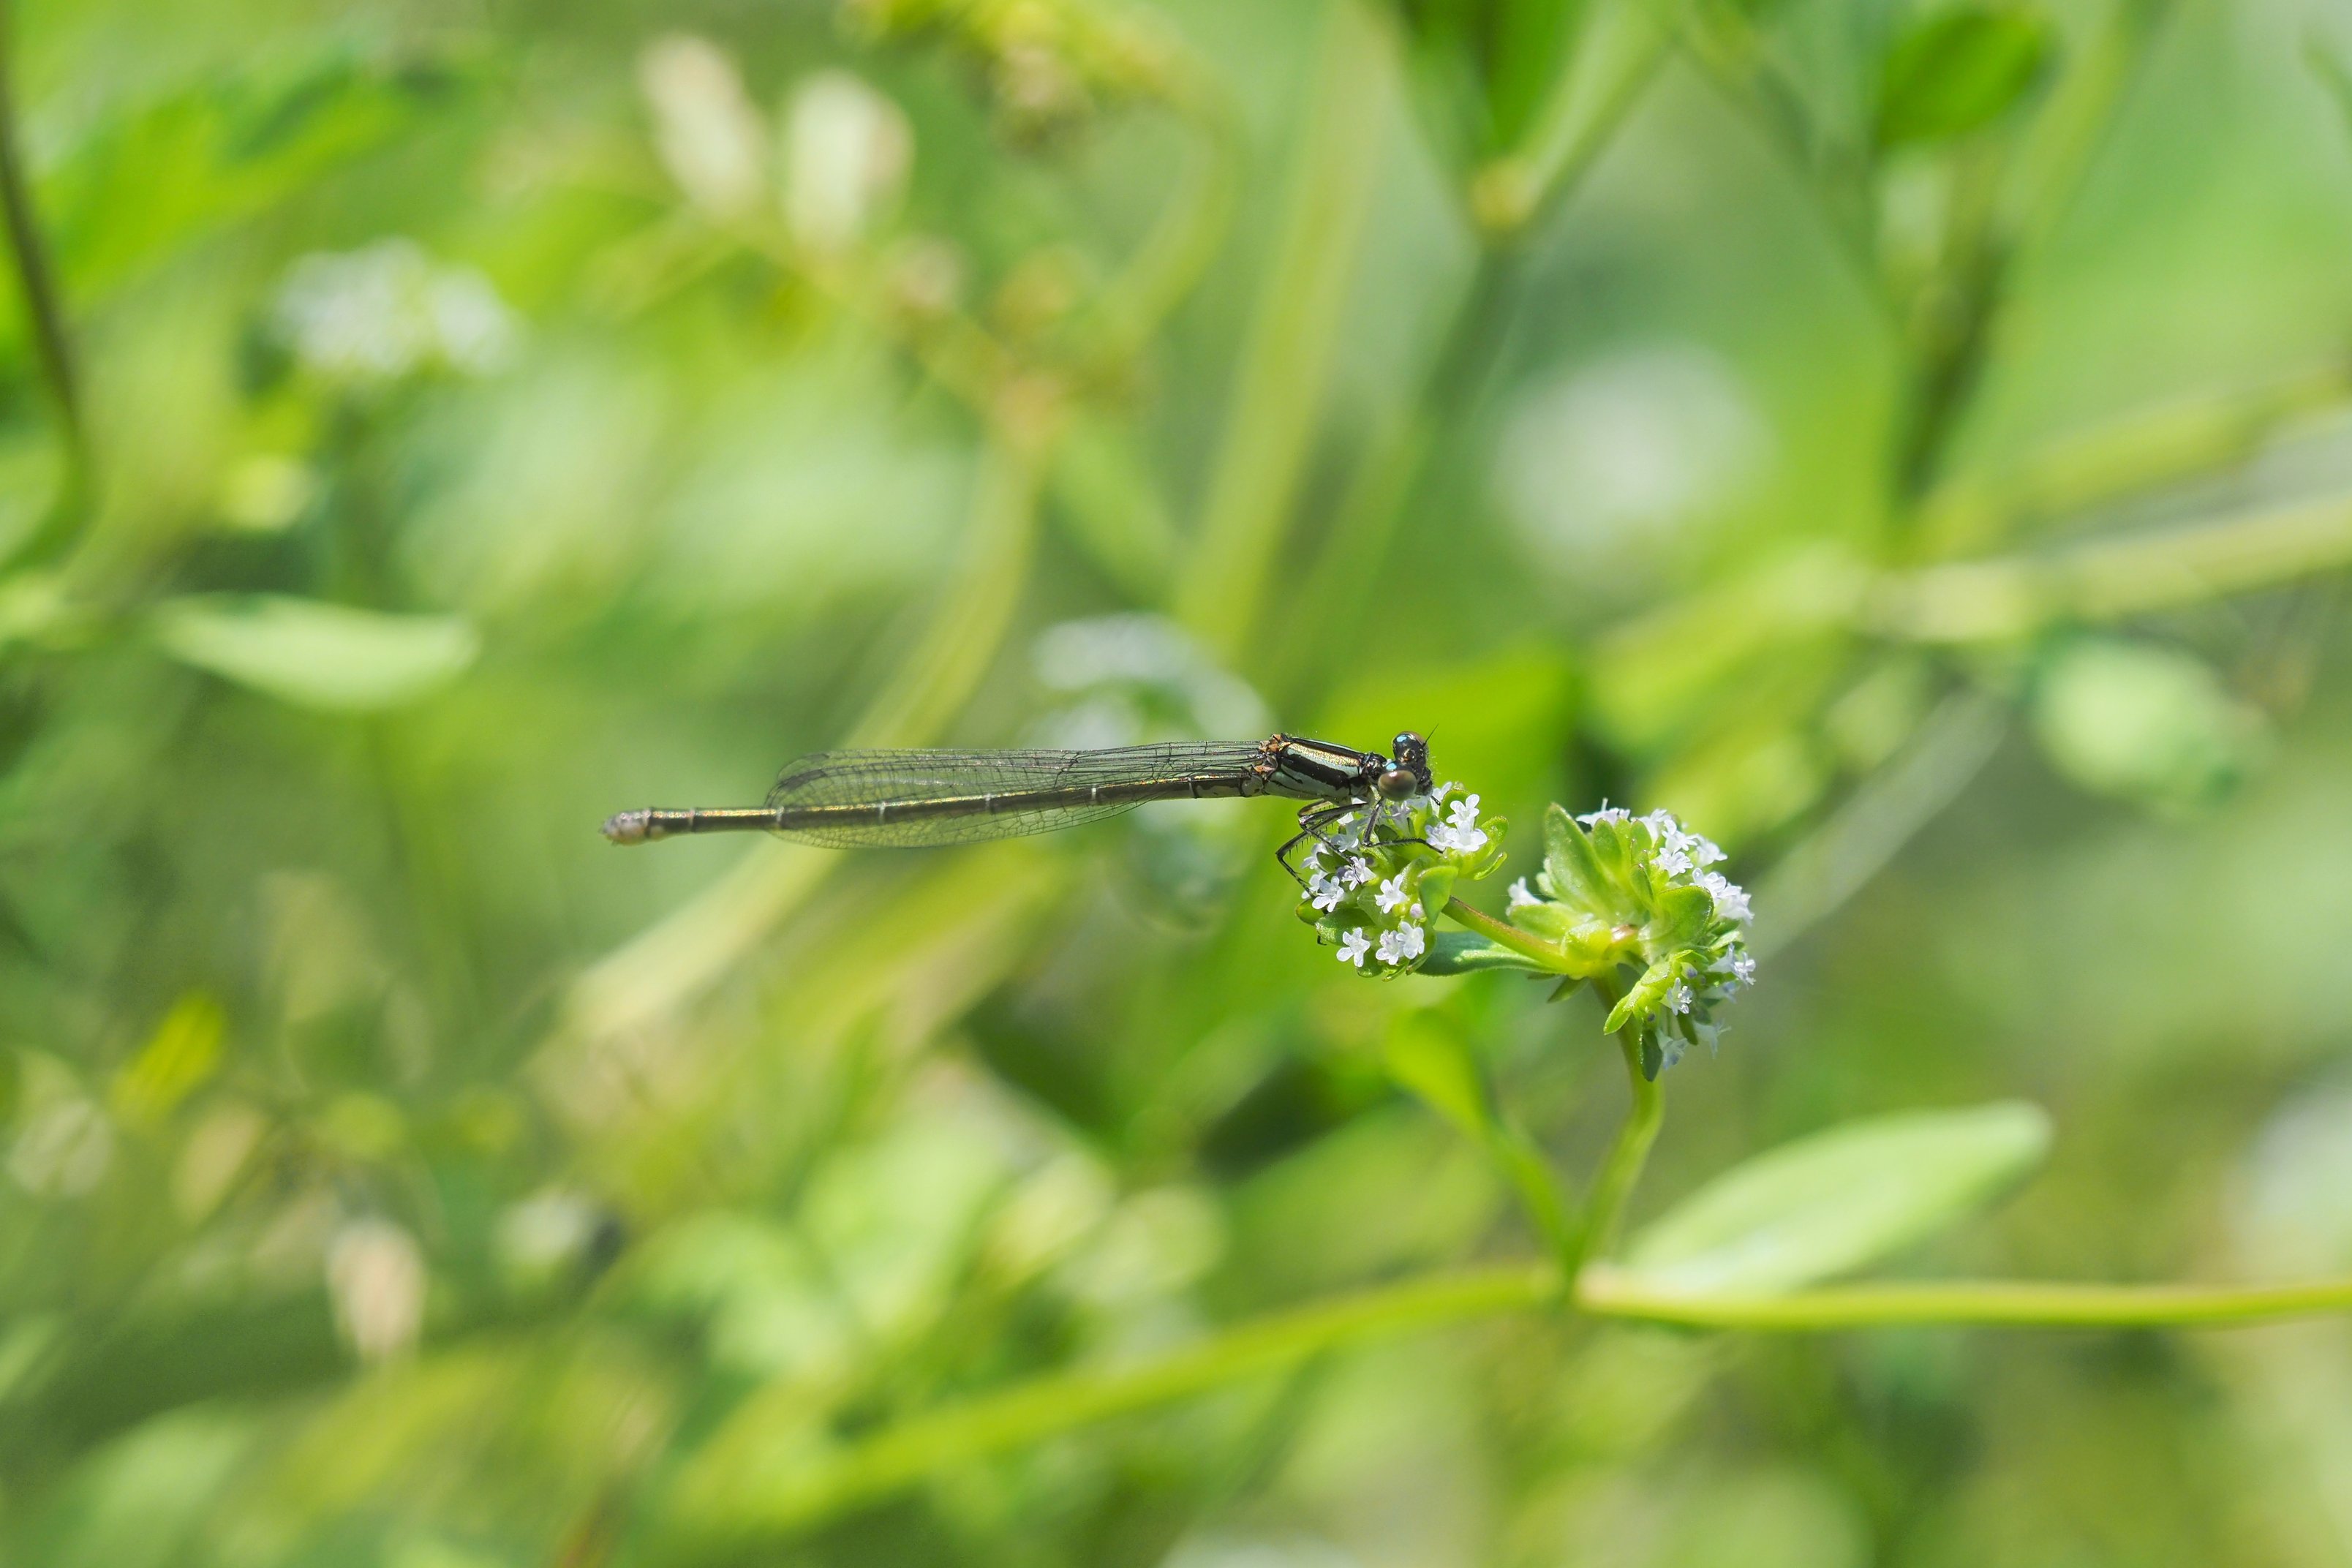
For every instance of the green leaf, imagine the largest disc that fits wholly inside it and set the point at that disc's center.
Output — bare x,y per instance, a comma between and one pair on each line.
223,150
1683,914
1839,1200
1644,995
1467,952
1958,70
1436,886
316,654
1428,1058
1572,863
2145,723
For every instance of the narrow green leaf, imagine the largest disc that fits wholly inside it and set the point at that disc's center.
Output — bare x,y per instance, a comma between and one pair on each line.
1429,1060
1467,952
1643,995
1958,70
316,654
1838,1201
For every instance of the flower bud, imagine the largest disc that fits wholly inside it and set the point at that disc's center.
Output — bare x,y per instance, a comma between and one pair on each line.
847,150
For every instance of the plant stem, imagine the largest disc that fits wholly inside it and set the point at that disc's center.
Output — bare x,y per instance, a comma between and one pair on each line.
45,312
1605,1209
1294,331
2017,1303
738,1487
1557,960
1991,601
720,1495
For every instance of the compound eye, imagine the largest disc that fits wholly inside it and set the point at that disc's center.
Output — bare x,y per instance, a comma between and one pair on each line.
1397,783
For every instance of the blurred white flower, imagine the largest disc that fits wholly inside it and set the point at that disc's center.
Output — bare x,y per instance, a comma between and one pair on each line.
545,1232
376,1275
1520,896
847,149
1353,945
1402,944
1391,896
64,1149
1602,468
706,130
388,310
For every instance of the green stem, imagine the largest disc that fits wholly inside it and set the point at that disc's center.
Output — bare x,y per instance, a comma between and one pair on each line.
1541,1195
1604,1211
1605,76
1502,934
45,312
732,1487
1994,601
2178,441
1294,331
1181,244
750,1480
2016,1303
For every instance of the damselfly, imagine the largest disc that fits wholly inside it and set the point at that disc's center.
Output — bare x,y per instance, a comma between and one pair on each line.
860,800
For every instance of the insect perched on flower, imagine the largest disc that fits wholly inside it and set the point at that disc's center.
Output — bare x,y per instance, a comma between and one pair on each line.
1398,862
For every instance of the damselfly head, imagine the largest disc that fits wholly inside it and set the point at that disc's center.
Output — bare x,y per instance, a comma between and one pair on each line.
1412,759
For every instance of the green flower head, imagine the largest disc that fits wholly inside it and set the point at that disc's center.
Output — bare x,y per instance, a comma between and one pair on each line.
1620,890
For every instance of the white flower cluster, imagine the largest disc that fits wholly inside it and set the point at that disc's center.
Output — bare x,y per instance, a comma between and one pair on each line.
1375,887
383,311
1619,890
1681,857
1459,833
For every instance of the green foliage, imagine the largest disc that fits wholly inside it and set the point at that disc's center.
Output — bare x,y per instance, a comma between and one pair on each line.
1958,68
1839,1201
1771,416
316,654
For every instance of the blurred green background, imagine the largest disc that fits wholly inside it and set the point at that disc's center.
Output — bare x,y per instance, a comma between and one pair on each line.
1912,441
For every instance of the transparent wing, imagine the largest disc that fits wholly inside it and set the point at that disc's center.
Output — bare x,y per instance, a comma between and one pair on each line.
898,778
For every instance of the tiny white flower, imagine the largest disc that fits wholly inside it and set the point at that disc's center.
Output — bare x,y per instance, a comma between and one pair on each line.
1357,871
1519,896
1730,898
1402,944
1437,796
1391,895
1606,814
1678,997
1353,945
1736,965
1705,850
1462,814
1326,892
